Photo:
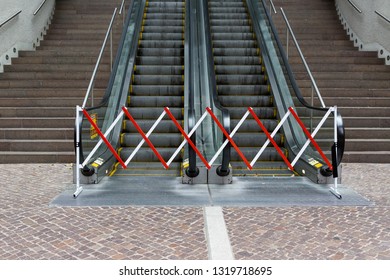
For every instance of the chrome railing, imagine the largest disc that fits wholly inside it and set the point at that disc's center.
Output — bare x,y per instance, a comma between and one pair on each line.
383,16
39,8
9,18
313,82
272,7
122,11
92,81
354,6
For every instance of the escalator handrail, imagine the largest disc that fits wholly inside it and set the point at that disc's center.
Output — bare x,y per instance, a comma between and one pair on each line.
223,170
297,91
104,101
189,88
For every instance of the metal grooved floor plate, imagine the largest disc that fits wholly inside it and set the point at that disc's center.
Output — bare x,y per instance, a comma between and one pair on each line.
157,191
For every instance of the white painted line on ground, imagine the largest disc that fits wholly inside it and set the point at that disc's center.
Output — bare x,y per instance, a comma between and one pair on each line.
218,242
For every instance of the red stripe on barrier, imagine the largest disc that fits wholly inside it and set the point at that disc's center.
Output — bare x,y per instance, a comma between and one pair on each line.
139,129
315,144
270,138
229,138
104,139
187,138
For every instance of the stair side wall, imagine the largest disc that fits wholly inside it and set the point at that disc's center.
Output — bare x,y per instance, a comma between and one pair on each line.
25,31
367,30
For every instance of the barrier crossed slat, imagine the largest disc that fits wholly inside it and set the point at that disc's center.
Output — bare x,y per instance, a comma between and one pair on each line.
104,138
229,138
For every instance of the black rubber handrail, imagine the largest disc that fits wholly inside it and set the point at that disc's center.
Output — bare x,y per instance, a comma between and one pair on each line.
223,169
340,124
189,44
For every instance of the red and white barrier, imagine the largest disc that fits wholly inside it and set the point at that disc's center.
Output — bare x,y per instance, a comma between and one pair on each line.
229,138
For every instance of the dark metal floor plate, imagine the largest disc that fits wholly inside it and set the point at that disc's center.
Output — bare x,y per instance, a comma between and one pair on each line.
168,191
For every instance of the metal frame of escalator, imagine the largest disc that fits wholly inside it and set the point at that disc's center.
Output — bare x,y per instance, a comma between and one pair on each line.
200,87
113,100
294,138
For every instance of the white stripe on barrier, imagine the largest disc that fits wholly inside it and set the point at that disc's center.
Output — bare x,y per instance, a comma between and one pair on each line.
143,140
101,140
231,135
268,141
185,140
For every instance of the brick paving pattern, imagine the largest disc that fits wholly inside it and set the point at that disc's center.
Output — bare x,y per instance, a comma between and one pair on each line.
319,232
30,229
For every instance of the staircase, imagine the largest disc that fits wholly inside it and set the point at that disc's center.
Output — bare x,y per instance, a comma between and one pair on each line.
357,82
39,91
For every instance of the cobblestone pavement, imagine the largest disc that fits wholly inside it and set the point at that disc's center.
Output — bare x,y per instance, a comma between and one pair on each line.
319,232
30,229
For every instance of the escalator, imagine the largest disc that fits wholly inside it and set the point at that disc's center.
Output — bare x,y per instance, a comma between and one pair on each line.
189,55
157,82
242,82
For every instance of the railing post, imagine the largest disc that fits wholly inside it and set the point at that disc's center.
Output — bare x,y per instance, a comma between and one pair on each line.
79,189
334,190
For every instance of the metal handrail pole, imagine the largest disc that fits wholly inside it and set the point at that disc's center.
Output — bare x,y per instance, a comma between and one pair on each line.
10,18
383,16
123,9
91,83
303,59
355,7
272,7
79,189
39,8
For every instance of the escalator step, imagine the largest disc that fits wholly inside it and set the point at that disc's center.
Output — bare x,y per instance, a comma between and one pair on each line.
236,52
240,79
159,60
157,79
158,90
161,70
234,44
156,101
269,154
250,125
159,29
161,44
162,36
261,112
243,89
231,29
231,22
146,154
158,139
237,60
238,69
232,36
255,139
214,16
163,22
247,101
152,113
165,126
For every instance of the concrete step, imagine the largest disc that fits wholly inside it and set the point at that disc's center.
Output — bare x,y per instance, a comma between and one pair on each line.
36,133
36,157
38,145
48,92
44,112
36,122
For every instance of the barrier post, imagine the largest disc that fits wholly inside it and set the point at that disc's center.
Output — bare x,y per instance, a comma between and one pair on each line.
335,190
79,189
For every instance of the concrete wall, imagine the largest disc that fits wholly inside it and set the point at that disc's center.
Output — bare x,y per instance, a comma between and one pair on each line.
368,30
25,31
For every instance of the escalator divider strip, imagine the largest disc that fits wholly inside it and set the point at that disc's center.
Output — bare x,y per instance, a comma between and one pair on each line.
229,138
187,138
